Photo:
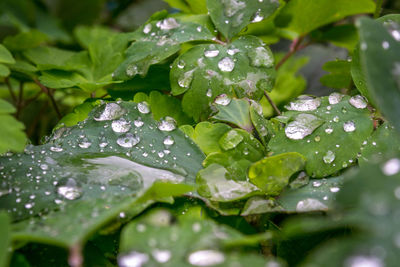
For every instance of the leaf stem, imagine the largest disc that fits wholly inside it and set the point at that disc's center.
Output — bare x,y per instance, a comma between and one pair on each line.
294,47
378,8
20,99
49,92
13,96
272,103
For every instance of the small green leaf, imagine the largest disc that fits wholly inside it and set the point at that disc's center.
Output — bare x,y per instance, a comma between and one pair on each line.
12,135
5,233
329,147
25,40
303,16
272,174
5,56
79,113
236,112
4,71
231,16
343,35
339,76
243,68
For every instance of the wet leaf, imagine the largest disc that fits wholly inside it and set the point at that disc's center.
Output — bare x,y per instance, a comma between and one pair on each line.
215,72
117,161
236,112
329,134
231,16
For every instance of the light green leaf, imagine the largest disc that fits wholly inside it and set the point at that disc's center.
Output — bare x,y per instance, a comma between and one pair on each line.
272,174
243,68
4,71
303,16
231,16
118,160
5,56
329,147
12,135
236,112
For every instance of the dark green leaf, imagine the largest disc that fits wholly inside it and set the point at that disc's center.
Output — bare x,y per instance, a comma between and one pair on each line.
5,55
25,40
5,233
339,76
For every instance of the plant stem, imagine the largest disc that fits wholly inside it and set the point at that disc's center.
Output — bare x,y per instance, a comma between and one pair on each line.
13,96
49,92
20,99
378,8
272,103
294,47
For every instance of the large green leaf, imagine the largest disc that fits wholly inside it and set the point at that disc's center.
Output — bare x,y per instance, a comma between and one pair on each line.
243,68
231,16
156,41
91,173
379,58
328,131
12,136
188,242
303,16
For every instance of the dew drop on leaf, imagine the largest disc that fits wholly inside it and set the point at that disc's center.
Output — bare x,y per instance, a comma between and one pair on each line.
161,256
209,92
358,101
206,258
310,204
329,130
302,126
69,189
169,141
211,53
121,126
147,28
131,70
223,100
128,140
138,122
56,149
335,98
167,124
186,78
143,107
167,24
85,143
304,103
257,17
329,157
391,167
109,111
226,64
232,7
349,126
364,261
133,259
261,58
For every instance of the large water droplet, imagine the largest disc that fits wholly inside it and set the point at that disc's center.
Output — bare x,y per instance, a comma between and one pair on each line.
211,53
329,157
364,261
167,124
226,64
169,141
349,126
109,111
186,79
147,28
260,57
335,98
56,149
138,122
161,256
167,24
143,107
302,126
209,92
391,167
181,64
230,140
223,100
329,130
85,143
133,259
206,258
231,7
121,126
257,17
69,189
128,140
310,204
358,101
304,103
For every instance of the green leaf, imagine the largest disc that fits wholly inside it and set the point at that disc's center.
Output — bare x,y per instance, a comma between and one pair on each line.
4,71
164,105
12,136
155,243
182,5
380,57
339,76
155,42
272,174
78,114
302,16
261,125
5,56
117,160
243,68
5,233
214,184
344,35
329,134
231,16
236,112
47,58
25,40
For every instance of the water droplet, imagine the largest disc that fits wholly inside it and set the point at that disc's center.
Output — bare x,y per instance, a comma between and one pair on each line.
232,7
181,64
44,166
186,79
196,227
336,119
209,92
56,149
138,122
230,140
128,140
329,157
335,98
358,101
310,204
109,111
257,17
199,29
233,51
317,183
364,261
302,126
143,107
69,189
317,138
206,258
391,167
329,130
131,70
304,103
29,205
121,126
161,256
133,259
211,53
223,100
363,46
167,124
147,28
167,24
84,143
261,57
226,64
349,126
334,189
169,141
385,45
